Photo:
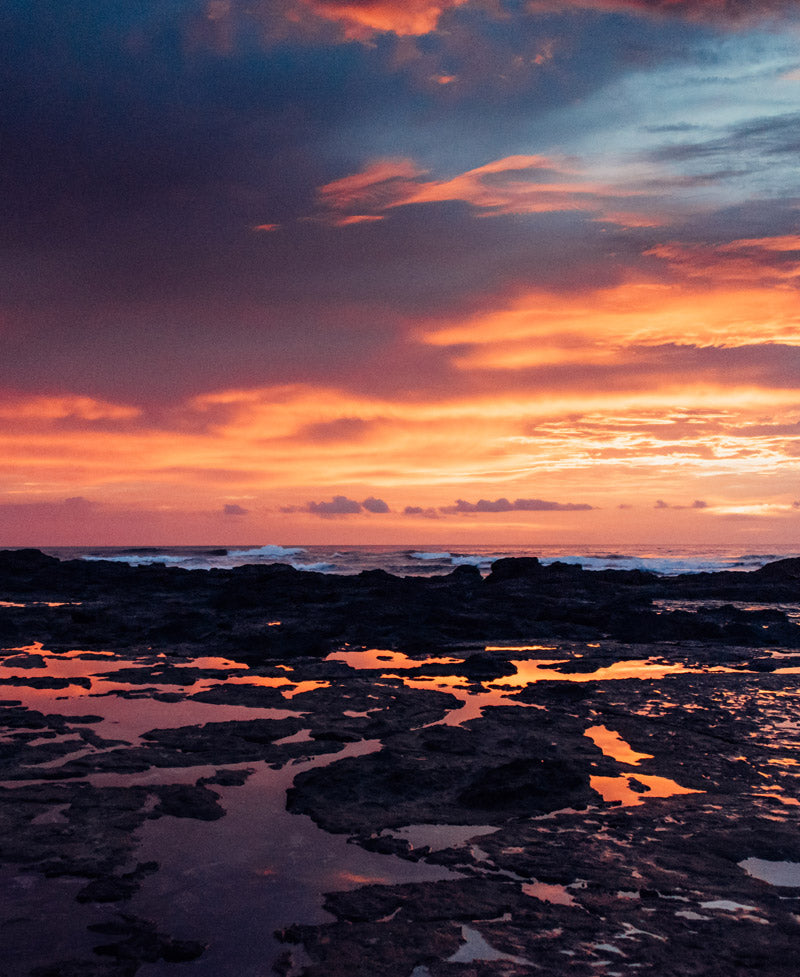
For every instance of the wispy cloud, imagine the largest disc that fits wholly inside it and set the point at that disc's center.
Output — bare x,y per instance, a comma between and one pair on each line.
718,11
363,18
512,185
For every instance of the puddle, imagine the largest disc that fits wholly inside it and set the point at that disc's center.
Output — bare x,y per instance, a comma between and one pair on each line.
301,736
376,658
538,670
472,703
475,947
128,719
624,791
556,894
437,837
41,603
234,881
726,905
783,874
520,648
29,900
614,746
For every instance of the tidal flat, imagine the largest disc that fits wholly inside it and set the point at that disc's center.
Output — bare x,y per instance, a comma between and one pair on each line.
259,770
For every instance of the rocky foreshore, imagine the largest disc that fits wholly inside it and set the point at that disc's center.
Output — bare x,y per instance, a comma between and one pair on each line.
127,607
546,770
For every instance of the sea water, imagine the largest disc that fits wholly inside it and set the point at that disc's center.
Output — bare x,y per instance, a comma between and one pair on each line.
434,560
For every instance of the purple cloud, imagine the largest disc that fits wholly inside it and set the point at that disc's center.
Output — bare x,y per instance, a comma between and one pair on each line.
234,510
375,505
518,505
340,505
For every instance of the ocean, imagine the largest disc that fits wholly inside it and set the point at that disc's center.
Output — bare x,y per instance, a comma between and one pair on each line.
433,561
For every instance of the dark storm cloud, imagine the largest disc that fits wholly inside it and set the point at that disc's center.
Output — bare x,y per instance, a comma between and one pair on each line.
234,510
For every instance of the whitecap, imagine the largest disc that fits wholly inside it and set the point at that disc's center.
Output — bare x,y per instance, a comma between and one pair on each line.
315,567
267,552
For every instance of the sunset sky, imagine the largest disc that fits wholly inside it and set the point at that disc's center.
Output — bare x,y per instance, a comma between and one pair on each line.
321,271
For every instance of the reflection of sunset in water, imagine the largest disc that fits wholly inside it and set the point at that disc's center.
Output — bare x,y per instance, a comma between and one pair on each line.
41,603
309,686
520,648
614,746
613,789
367,658
264,681
472,703
529,672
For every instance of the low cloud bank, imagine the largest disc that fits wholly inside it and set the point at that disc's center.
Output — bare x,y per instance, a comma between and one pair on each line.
518,505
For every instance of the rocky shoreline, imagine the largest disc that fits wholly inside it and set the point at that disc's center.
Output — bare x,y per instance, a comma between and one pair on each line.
629,745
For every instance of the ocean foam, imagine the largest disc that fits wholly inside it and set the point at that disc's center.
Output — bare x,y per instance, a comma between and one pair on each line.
267,552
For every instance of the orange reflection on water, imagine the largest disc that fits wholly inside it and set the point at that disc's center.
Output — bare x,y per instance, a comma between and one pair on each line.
309,686
529,672
472,703
208,661
618,789
520,648
449,683
40,603
614,746
379,658
351,878
545,892
264,681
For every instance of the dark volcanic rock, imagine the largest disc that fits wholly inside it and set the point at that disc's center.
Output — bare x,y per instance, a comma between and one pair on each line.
234,610
511,568
140,942
521,786
116,888
185,801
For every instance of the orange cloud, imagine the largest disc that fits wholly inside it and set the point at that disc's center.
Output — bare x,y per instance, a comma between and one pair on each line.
760,261
358,219
512,185
267,448
378,185
362,18
782,242
541,327
43,408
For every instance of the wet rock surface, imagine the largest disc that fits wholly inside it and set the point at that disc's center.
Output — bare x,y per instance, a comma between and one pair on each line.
153,694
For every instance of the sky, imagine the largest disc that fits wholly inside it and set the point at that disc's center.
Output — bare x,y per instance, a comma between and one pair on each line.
372,271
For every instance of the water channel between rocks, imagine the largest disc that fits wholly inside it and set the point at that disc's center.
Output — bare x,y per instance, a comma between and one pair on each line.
256,870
